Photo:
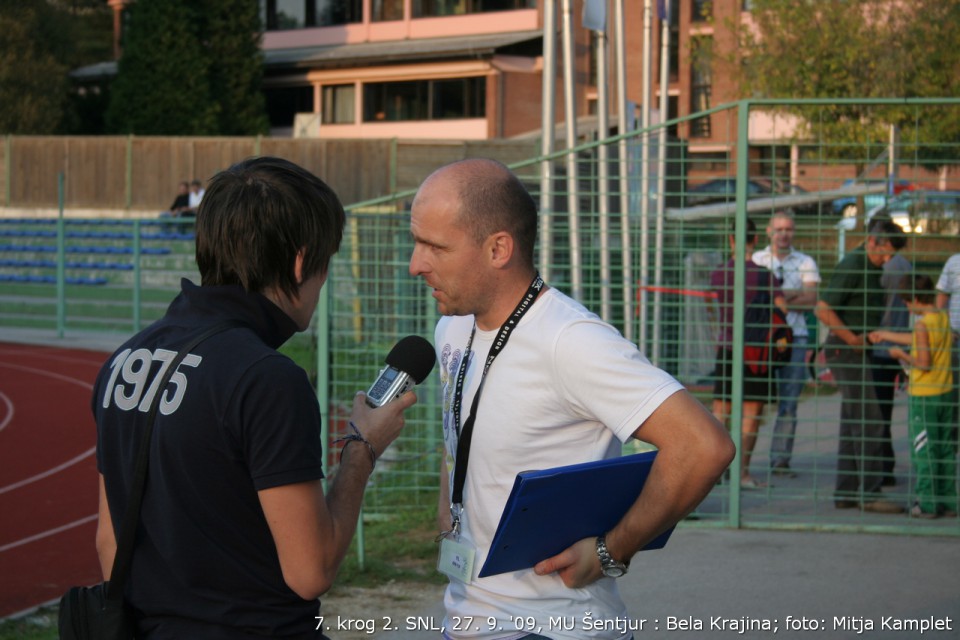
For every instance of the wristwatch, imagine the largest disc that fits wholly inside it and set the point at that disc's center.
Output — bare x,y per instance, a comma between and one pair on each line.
611,568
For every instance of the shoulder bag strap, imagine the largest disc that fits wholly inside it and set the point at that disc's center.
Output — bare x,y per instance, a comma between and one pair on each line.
124,554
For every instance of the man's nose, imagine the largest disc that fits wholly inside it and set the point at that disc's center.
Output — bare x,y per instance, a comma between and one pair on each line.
415,267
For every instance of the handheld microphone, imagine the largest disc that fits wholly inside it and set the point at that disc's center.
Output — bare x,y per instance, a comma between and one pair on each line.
409,363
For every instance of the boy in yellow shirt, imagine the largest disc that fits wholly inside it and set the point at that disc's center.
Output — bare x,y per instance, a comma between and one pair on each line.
932,406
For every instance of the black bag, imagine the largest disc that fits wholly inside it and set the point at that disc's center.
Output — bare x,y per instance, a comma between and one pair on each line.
89,613
768,338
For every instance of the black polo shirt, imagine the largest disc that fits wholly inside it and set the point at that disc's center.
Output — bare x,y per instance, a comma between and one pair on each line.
238,417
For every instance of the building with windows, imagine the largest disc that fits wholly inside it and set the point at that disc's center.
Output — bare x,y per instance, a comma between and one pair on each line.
468,69
473,70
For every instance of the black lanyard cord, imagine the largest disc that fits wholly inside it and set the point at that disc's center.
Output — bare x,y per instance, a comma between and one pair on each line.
465,434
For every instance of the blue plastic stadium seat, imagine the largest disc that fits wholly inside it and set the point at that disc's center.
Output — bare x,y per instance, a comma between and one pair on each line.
51,279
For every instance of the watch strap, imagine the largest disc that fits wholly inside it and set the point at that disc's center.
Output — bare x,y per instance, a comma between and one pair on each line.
610,566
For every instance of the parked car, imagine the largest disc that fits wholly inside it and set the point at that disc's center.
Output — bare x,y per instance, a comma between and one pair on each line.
725,190
919,211
924,211
806,209
847,207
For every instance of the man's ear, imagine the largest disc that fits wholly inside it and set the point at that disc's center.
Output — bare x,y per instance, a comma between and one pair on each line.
500,246
298,266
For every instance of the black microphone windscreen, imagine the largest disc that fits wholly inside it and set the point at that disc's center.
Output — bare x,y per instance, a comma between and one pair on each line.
413,355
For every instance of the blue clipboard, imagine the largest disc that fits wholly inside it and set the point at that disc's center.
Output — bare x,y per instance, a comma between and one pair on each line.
550,509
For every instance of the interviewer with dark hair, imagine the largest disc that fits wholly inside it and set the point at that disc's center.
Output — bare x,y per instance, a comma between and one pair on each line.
237,536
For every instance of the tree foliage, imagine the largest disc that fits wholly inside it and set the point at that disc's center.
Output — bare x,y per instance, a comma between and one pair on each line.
161,85
34,49
232,41
858,49
92,32
189,68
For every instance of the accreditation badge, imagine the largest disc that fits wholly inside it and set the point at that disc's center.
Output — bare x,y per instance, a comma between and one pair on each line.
456,559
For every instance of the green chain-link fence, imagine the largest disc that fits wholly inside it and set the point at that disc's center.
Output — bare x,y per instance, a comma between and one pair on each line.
646,265
642,263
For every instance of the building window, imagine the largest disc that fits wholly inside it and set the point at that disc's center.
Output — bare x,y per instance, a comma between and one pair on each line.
284,103
673,112
435,8
458,98
774,160
712,162
674,64
386,10
701,85
334,12
592,76
281,15
338,104
394,101
702,10
424,100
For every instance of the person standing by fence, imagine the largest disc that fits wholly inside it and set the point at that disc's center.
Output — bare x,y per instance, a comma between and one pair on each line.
948,297
757,388
933,410
850,306
800,277
888,371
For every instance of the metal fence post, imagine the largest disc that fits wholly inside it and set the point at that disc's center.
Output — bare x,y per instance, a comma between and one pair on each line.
61,260
739,285
137,293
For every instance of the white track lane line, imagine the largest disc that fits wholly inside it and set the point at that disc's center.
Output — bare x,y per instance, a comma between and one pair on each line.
47,533
49,374
68,463
49,472
8,414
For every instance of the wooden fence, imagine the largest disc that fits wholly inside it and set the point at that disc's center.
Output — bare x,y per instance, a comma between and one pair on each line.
141,173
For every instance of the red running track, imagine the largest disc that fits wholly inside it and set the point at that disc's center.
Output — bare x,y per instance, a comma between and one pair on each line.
48,474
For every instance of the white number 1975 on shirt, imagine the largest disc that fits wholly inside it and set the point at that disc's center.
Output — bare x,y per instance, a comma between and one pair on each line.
131,386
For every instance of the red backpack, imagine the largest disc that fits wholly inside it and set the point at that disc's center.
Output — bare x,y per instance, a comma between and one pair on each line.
767,338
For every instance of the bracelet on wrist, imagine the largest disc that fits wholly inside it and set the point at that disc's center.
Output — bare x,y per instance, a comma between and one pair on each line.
356,436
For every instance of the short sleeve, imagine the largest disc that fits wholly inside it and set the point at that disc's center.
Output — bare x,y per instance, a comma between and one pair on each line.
276,424
607,378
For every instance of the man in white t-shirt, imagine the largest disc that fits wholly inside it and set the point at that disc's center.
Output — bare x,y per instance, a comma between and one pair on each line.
196,195
566,388
948,290
948,297
800,277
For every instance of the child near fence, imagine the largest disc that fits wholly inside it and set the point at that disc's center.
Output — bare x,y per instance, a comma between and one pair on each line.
932,409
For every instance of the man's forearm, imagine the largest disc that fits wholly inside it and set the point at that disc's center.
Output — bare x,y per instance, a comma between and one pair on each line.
832,321
694,450
801,299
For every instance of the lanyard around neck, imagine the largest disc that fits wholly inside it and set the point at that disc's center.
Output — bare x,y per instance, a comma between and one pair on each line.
465,433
